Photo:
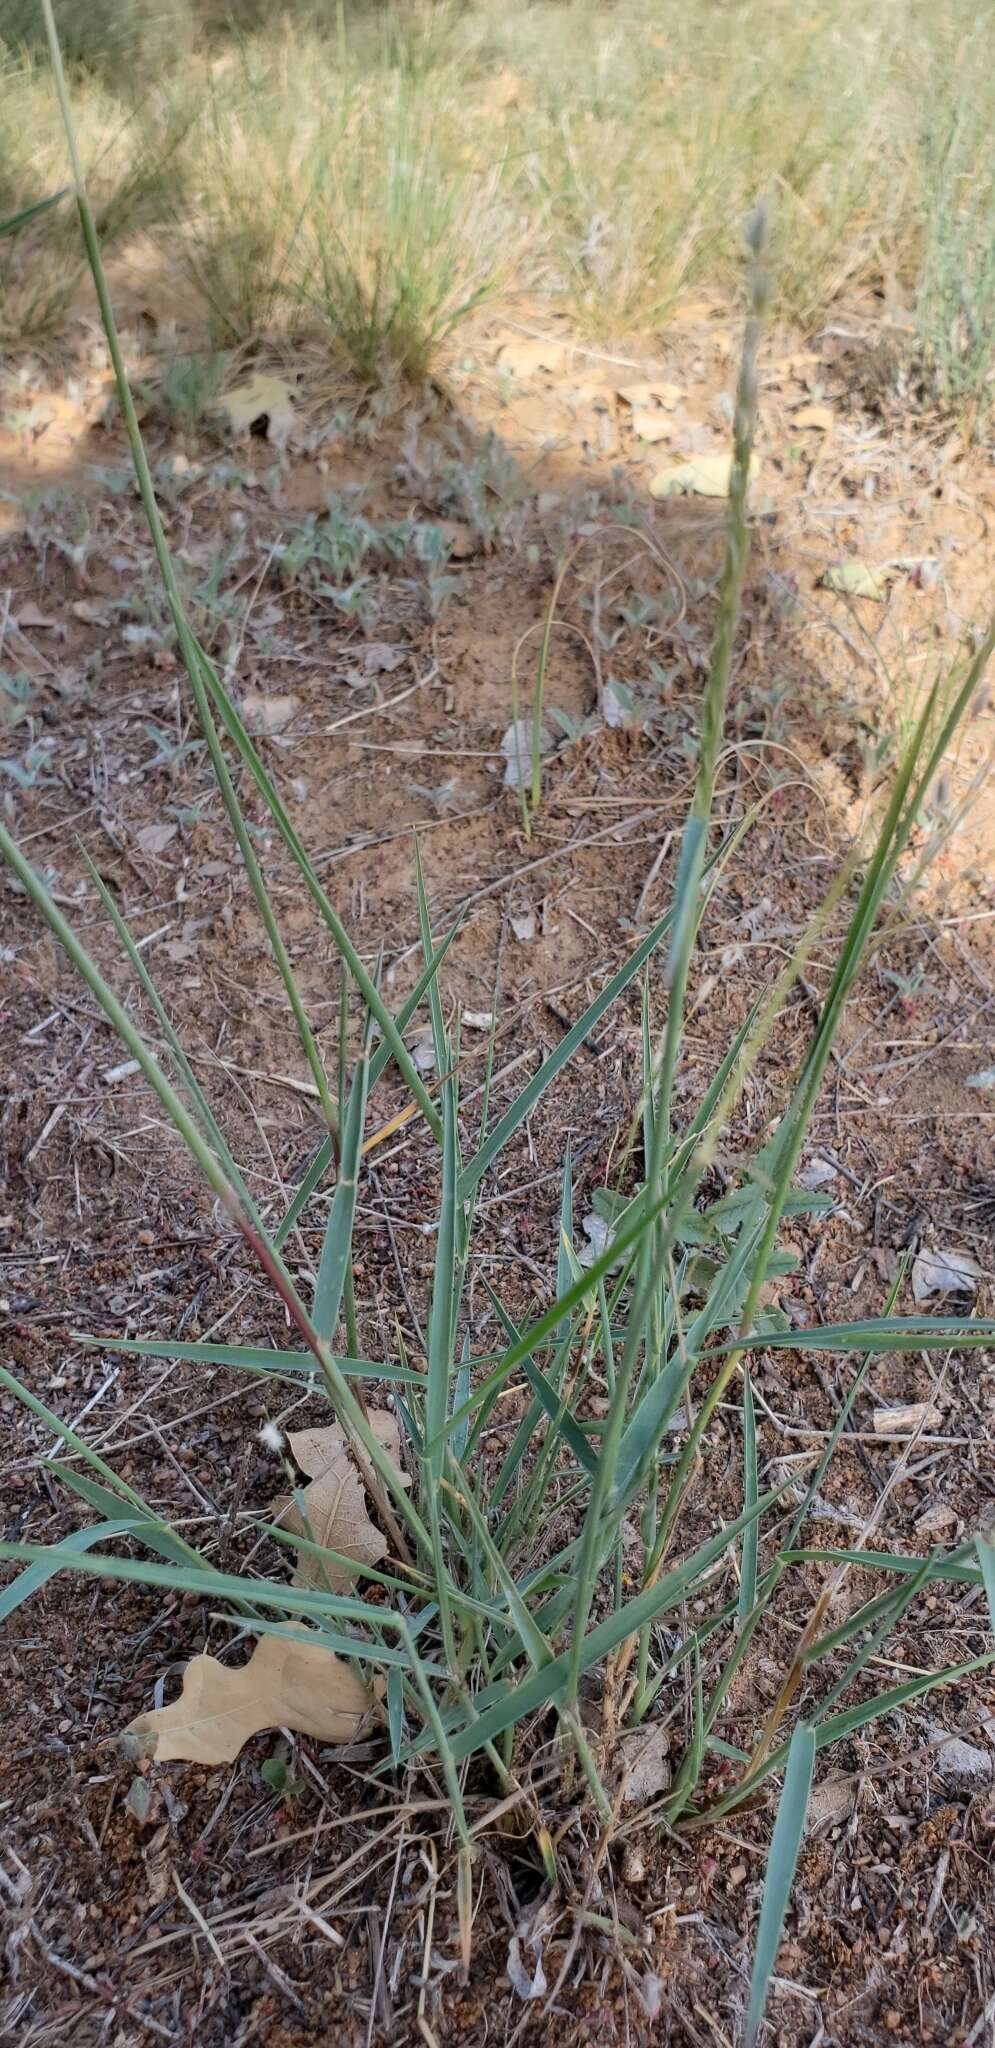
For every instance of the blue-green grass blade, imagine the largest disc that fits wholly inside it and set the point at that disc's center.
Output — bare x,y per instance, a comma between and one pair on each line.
545,1390
781,1866
882,1333
325,1154
253,1358
150,1528
628,1234
370,993
461,1394
555,1061
564,1268
179,1058
36,1575
748,1560
984,1544
395,1714
316,1605
16,221
956,1567
337,1242
642,1434
500,1707
434,998
122,1493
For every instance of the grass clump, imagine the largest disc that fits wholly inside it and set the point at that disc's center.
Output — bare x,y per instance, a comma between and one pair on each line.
955,299
374,172
129,159
337,190
498,1625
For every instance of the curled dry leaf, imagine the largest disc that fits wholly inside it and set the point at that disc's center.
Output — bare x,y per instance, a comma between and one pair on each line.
984,1081
947,1272
830,1803
285,1684
460,540
526,1985
30,620
651,425
381,657
516,746
817,1172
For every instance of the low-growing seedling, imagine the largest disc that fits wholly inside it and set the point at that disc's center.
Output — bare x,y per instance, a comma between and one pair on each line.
499,1625
16,690
188,391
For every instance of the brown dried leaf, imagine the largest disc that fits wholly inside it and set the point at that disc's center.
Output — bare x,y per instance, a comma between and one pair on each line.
831,1802
645,1763
649,392
30,619
944,1272
155,838
703,476
268,712
334,1504
526,358
315,1449
260,398
333,1513
651,425
461,540
820,417
285,1684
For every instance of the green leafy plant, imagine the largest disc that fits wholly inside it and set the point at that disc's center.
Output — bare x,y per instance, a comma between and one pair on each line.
499,1623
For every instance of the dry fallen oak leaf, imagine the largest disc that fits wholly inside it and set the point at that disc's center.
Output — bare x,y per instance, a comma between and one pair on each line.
285,1684
460,540
332,1512
30,620
648,393
704,476
855,578
525,358
268,713
155,838
260,398
821,417
651,425
333,1507
315,1449
646,1768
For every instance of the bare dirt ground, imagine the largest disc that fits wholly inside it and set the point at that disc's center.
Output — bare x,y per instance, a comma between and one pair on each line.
217,1912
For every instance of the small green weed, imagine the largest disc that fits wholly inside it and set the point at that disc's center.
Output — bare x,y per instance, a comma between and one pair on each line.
188,392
